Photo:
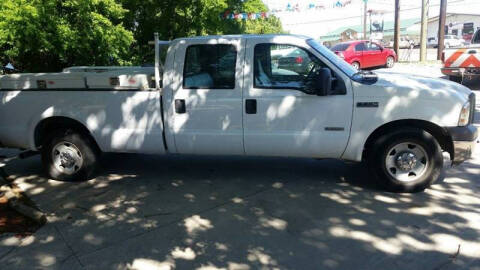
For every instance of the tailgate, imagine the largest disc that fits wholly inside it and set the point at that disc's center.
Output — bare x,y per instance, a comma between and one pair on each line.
462,58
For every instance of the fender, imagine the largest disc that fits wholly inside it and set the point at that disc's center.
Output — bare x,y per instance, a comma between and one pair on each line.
53,112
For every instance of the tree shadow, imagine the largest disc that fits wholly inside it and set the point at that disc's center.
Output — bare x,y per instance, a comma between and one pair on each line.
188,212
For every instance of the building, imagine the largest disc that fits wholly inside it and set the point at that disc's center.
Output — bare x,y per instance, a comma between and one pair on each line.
408,27
462,25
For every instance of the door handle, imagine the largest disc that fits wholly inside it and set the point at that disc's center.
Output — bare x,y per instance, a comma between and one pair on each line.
180,106
251,106
472,52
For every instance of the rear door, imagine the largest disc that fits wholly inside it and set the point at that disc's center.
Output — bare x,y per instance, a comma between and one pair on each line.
207,117
358,53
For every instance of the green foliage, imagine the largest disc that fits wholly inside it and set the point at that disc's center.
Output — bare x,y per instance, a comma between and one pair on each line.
48,35
182,18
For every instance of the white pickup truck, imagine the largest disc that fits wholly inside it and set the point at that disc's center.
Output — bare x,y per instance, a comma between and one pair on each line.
239,95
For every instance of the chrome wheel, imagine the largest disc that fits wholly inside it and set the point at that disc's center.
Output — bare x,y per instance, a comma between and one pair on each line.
356,65
67,158
406,162
390,62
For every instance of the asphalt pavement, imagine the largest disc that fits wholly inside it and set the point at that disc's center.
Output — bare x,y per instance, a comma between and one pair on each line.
198,212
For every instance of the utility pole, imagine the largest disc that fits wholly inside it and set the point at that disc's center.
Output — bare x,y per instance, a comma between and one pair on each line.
396,34
441,28
423,31
365,19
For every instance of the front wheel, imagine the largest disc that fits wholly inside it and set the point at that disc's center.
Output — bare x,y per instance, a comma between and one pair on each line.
390,62
406,161
69,156
356,65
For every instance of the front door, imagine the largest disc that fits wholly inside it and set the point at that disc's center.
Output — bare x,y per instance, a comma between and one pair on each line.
207,117
280,118
373,55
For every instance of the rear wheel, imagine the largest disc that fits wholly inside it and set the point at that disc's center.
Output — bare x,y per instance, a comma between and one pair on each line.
390,62
69,156
356,65
406,161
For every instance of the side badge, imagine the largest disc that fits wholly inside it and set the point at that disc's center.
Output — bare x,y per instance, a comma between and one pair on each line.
367,104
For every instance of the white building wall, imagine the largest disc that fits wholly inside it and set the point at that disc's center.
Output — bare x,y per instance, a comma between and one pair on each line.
457,21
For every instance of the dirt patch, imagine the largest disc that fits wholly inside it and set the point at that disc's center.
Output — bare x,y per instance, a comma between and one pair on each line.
13,222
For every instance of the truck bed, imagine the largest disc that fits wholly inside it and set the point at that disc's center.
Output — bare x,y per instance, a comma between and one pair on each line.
82,78
121,107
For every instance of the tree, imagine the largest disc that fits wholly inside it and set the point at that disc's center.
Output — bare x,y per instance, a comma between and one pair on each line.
47,35
183,18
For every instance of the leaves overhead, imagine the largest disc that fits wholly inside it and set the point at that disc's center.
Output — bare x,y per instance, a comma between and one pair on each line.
48,35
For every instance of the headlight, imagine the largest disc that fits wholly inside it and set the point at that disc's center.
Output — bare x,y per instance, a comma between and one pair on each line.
464,115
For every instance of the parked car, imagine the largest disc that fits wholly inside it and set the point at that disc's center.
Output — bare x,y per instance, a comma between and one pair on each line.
450,41
225,95
462,62
365,54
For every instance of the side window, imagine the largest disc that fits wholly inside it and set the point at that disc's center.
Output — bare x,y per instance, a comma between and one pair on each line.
283,66
360,47
476,38
210,67
373,47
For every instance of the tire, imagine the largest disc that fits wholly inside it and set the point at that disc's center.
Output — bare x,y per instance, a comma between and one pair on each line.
70,156
390,62
394,150
356,65
457,79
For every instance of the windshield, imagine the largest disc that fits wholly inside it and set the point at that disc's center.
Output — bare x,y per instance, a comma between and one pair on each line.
332,57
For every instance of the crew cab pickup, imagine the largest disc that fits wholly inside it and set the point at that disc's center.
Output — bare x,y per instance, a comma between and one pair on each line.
464,62
235,95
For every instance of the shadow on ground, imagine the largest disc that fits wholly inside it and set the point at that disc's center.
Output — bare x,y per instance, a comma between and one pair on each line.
188,212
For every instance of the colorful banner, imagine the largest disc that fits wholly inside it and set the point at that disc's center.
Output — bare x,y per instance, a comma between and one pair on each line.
314,5
290,7
244,15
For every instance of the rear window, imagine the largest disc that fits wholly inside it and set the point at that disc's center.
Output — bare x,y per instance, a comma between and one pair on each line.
209,66
340,47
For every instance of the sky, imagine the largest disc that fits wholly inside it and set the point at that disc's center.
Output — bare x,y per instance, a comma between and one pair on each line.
307,17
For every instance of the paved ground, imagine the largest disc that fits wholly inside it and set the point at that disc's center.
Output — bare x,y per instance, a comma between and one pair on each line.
184,212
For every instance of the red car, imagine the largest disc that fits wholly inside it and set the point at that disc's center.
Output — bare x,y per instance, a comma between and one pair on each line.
365,54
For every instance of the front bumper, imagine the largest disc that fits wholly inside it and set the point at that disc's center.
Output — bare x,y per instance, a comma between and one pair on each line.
464,141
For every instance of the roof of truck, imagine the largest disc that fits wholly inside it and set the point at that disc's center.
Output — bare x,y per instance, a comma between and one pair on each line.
245,36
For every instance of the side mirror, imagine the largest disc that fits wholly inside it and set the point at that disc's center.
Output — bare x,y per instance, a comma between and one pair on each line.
323,82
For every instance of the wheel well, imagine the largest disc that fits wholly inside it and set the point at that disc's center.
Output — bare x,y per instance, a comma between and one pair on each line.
439,133
52,124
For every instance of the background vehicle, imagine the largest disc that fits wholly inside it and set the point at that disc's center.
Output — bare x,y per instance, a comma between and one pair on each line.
450,41
365,54
463,62
405,43
234,95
